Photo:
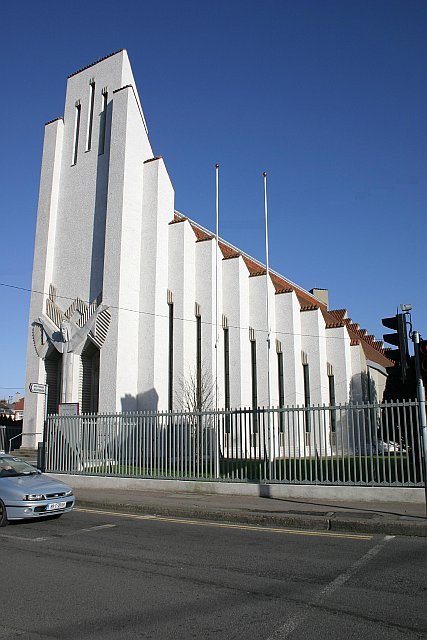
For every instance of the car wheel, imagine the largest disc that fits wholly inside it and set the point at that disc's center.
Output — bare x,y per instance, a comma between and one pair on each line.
3,514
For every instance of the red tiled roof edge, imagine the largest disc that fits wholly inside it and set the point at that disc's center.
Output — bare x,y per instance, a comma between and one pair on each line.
334,319
201,235
309,307
227,251
255,268
372,348
283,290
375,355
177,218
339,314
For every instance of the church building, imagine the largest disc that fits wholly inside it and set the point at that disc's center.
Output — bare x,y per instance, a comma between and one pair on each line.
132,300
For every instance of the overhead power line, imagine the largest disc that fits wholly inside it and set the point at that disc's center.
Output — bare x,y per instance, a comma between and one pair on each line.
166,317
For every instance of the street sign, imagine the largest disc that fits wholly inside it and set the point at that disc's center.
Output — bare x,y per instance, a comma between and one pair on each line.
35,387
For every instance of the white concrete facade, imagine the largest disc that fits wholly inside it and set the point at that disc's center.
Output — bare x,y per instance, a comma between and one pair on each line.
113,258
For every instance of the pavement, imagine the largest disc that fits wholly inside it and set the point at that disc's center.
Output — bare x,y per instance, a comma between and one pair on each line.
377,518
388,518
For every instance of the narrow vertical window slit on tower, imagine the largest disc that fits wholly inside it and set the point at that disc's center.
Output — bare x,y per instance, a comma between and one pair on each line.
331,378
227,367
199,362
307,399
103,123
90,119
254,387
76,131
170,390
281,388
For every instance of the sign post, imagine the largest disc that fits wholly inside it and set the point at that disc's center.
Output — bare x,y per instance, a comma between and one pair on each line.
35,387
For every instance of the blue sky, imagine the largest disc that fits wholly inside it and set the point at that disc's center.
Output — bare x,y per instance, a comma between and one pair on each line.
328,97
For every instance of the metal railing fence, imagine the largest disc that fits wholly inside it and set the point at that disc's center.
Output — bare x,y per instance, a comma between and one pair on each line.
11,436
358,444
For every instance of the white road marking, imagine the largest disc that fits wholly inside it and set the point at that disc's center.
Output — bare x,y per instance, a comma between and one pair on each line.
3,535
9,632
100,526
227,525
61,535
294,621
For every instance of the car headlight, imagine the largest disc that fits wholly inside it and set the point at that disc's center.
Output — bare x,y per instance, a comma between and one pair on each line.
69,493
34,496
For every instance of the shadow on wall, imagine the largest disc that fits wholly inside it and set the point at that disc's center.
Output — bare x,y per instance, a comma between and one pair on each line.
146,401
355,427
363,389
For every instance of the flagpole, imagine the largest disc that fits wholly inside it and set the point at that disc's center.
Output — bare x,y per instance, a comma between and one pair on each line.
216,312
266,286
268,317
216,279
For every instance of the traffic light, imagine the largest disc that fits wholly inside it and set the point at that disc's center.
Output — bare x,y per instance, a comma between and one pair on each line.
399,339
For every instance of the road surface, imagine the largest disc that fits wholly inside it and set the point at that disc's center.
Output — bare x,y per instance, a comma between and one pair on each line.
101,575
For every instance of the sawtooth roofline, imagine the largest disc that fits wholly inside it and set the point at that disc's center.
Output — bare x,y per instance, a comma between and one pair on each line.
357,335
246,255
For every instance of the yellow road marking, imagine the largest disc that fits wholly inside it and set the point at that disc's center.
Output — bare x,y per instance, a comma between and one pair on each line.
227,525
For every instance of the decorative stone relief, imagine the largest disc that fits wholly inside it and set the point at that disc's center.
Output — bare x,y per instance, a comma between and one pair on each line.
68,330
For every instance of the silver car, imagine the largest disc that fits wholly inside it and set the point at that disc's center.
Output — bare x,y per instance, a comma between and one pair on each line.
26,493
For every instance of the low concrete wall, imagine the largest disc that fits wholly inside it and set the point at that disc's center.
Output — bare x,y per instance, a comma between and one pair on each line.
295,491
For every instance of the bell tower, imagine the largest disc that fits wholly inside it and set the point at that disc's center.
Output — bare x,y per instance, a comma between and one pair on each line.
94,213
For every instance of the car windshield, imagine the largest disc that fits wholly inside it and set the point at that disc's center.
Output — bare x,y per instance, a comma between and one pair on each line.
10,466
